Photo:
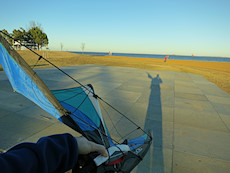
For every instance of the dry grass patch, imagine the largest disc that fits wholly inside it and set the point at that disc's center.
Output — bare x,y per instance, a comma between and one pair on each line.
216,72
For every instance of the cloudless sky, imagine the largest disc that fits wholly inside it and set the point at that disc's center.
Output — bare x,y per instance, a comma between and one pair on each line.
181,27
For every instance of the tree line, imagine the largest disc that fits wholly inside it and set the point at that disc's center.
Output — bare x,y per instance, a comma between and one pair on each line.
33,38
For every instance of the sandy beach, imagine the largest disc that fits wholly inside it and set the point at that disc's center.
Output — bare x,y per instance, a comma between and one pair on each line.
216,72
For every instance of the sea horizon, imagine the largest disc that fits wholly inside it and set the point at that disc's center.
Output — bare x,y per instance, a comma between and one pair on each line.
159,56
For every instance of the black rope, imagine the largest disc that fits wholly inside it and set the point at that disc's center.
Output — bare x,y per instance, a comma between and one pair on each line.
72,96
111,121
20,43
129,133
81,103
57,92
66,91
86,123
35,64
123,115
96,96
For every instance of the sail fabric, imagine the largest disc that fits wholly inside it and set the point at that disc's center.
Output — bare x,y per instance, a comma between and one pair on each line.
85,111
25,81
79,109
137,142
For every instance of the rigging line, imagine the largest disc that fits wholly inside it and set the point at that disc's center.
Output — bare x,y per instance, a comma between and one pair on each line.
20,43
86,123
32,68
41,57
99,131
71,96
66,91
81,103
87,95
65,73
111,120
94,128
129,134
101,137
123,115
35,64
72,89
96,96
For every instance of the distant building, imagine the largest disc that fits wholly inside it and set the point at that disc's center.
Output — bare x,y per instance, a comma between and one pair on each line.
16,45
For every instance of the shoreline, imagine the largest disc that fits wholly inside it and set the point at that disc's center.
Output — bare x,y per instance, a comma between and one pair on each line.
216,72
146,55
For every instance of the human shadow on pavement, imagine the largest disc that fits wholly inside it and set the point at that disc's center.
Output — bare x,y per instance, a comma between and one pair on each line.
154,160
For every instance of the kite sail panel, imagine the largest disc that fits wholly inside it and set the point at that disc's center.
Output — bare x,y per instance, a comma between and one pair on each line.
79,109
85,111
82,114
26,82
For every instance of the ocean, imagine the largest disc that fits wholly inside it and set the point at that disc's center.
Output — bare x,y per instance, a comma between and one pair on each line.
155,56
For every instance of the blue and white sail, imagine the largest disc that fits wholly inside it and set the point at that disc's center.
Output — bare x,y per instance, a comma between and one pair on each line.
26,82
76,107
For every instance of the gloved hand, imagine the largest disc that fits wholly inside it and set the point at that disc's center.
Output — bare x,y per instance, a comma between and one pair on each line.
85,147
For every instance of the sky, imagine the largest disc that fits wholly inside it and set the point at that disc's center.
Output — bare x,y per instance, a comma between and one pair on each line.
174,27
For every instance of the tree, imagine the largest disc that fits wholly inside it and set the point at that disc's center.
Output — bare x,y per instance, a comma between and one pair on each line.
61,46
6,37
33,24
21,35
33,37
40,38
82,47
24,37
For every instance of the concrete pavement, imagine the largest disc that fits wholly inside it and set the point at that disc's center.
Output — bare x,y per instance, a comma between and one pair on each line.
189,116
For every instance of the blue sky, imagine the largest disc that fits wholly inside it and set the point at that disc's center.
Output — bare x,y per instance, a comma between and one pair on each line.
181,27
